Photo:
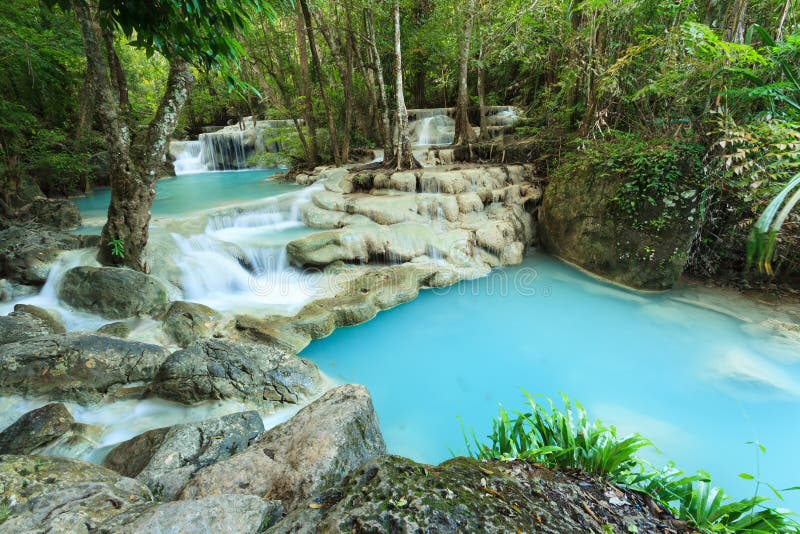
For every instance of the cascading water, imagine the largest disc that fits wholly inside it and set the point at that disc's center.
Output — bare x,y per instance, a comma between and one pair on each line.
188,157
433,130
240,259
224,151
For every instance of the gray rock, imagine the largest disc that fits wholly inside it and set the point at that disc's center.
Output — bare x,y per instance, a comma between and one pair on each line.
166,458
222,369
81,367
29,251
36,428
61,496
186,322
11,291
240,514
117,329
313,450
27,322
113,292
394,494
61,214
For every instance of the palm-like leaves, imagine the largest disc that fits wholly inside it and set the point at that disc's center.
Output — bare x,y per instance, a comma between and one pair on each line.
761,242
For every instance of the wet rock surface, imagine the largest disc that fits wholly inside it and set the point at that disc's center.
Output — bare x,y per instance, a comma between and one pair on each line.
49,430
165,458
313,450
27,322
186,322
75,366
112,292
29,251
216,369
394,494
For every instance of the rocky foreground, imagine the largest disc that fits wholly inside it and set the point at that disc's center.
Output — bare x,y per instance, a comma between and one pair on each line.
382,237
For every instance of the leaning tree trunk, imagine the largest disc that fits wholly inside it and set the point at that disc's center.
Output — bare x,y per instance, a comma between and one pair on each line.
132,173
463,130
305,88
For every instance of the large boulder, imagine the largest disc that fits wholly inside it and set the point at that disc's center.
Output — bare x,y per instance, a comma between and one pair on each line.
60,495
166,458
240,514
186,322
113,292
80,367
27,322
28,252
313,450
61,214
48,430
394,494
216,369
632,224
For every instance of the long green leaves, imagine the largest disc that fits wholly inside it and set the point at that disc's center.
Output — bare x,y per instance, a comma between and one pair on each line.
761,242
566,438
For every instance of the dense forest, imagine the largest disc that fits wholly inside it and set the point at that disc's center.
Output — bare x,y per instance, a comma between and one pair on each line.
615,81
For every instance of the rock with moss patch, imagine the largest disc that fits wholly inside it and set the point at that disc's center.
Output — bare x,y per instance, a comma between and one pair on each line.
166,458
29,251
390,493
217,369
49,430
80,367
112,292
60,495
311,451
186,322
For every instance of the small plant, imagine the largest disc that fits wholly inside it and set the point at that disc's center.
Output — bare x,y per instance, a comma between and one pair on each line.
566,438
5,510
117,248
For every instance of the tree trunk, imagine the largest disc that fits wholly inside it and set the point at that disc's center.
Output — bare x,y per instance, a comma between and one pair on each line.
403,158
482,95
464,133
323,92
132,174
735,29
388,138
132,192
305,89
118,79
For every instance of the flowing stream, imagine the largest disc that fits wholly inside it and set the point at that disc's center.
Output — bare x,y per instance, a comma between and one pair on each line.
677,367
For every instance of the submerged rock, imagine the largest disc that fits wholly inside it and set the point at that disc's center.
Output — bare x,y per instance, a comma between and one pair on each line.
313,450
80,367
113,292
240,514
216,369
186,322
390,493
60,495
166,458
27,322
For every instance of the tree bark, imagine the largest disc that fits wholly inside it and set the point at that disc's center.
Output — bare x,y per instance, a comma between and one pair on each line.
484,123
463,130
132,173
118,80
403,158
388,138
323,92
305,89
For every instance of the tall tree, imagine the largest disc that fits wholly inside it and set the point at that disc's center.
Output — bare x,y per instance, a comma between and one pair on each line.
403,158
198,32
464,133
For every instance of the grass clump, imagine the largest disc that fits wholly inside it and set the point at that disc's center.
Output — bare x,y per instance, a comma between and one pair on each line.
567,439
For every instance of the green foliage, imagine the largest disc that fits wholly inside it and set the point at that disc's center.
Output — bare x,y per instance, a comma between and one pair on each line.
763,236
117,248
566,438
560,438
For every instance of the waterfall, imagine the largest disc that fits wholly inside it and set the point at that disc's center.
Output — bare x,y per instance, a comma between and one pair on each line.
188,156
433,130
224,151
240,259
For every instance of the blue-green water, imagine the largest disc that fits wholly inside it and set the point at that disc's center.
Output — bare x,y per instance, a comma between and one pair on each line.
192,192
698,383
